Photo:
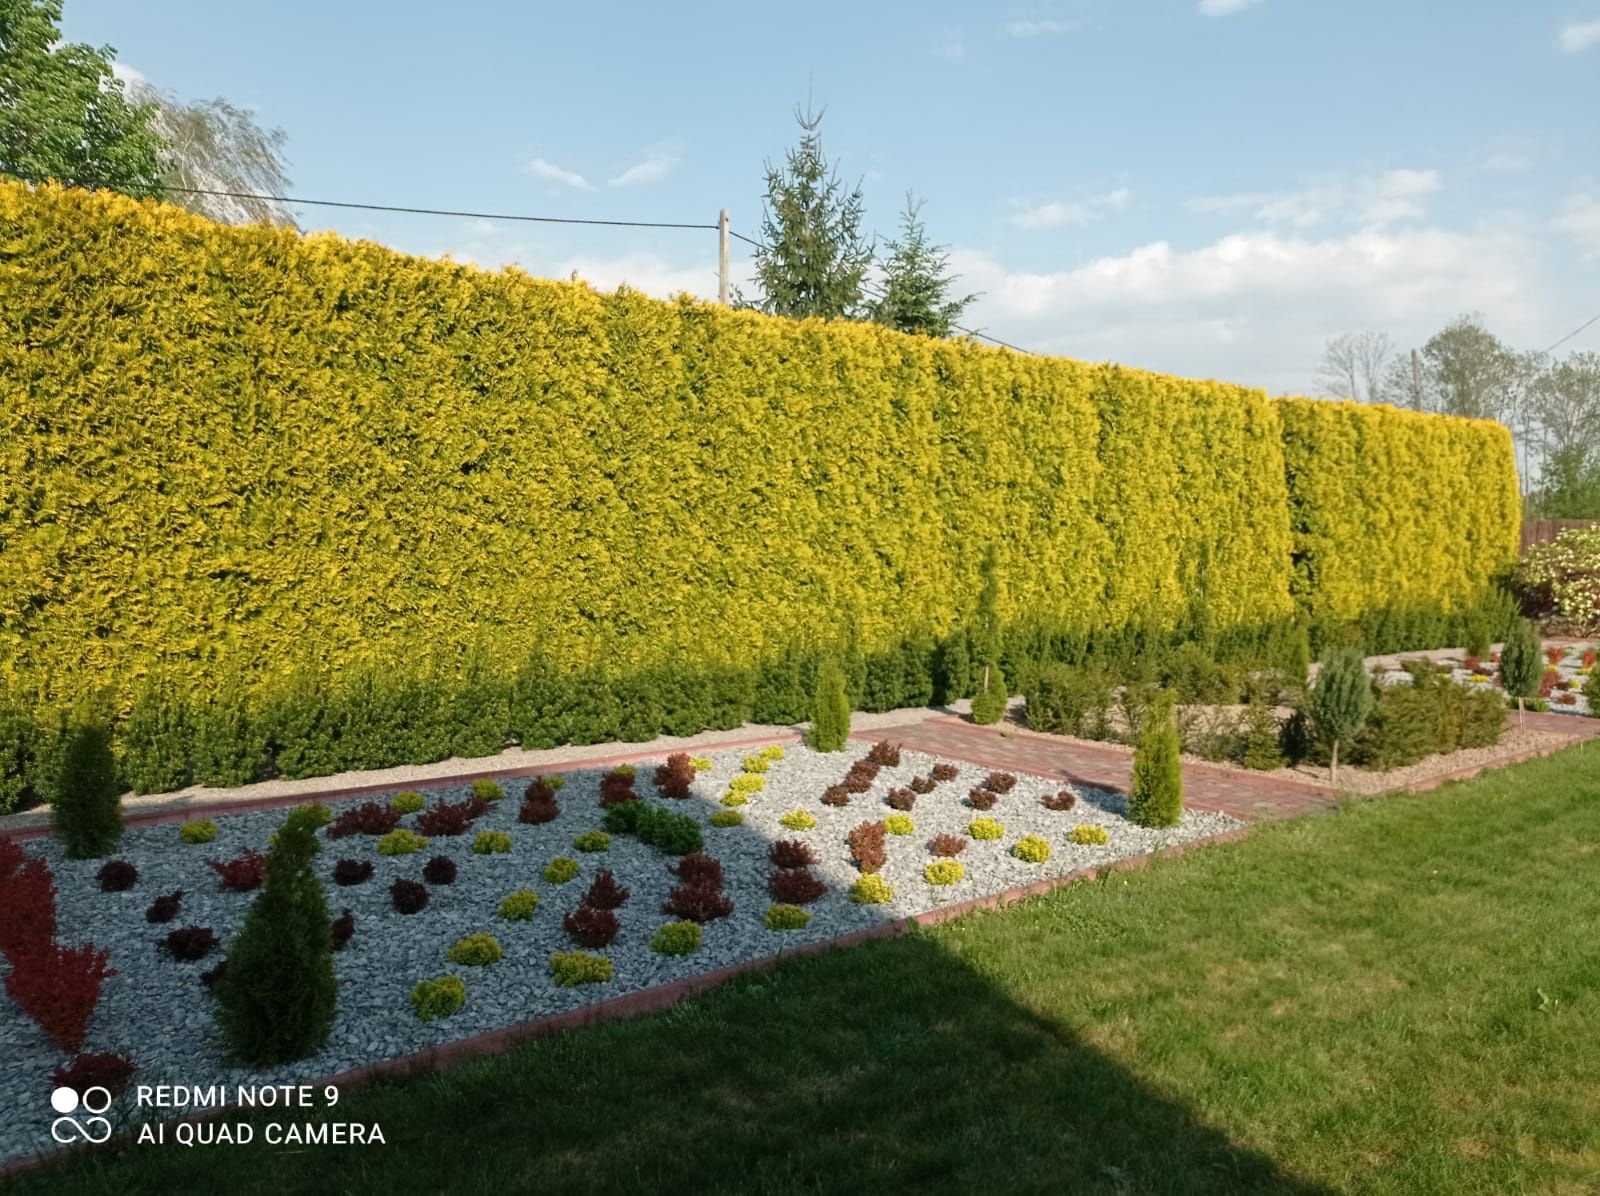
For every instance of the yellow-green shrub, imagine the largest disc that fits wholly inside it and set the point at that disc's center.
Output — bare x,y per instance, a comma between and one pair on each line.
476,951
797,820
577,967
871,889
401,842
438,998
408,801
1031,849
943,872
198,830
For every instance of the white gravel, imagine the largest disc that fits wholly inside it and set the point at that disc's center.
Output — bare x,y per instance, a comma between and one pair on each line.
158,1012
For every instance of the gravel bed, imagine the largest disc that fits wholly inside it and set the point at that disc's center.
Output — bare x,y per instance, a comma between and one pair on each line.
158,1012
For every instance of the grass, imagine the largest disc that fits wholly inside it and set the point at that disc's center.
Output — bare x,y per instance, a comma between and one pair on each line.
1397,998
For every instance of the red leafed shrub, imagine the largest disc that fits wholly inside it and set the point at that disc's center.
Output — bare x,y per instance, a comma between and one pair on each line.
794,886
408,896
982,799
675,776
164,909
885,753
866,846
1064,800
1554,653
1590,658
95,1069
1471,664
343,928
947,845
902,799
27,909
1567,699
188,943
698,868
539,804
241,874
212,975
441,870
11,856
860,777
836,795
945,772
450,818
1000,782
369,818
922,784
58,987
605,892
590,927
698,903
117,876
351,872
791,853
616,788
1547,682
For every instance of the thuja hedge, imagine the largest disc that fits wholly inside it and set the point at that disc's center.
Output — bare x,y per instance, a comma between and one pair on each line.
307,504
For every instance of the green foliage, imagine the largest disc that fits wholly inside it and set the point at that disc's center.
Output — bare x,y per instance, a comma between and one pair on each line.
156,740
86,805
1591,692
943,872
1341,700
476,950
1155,797
277,1000
560,870
1410,722
871,889
989,703
441,997
1031,849
595,841
746,782
63,114
787,917
773,751
797,820
899,824
677,938
408,801
487,790
571,968
830,709
701,763
723,819
668,833
1477,637
916,293
1088,835
401,841
985,828
1521,661
1297,662
491,843
520,906
1063,700
19,740
1263,739
1196,677
197,830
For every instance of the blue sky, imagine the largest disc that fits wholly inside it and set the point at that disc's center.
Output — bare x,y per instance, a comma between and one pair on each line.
1208,187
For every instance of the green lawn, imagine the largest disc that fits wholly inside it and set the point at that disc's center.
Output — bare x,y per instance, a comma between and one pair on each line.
1349,1003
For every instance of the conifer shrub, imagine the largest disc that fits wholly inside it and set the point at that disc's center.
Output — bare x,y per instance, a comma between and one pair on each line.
198,830
476,951
570,968
668,833
1521,664
989,703
899,824
1341,701
1031,849
408,801
1155,798
797,820
677,938
985,828
830,709
1088,835
1263,739
117,876
408,896
784,916
1591,693
1069,701
560,870
86,802
213,975
276,1002
871,889
440,870
604,891
943,872
519,906
401,842
491,843
438,998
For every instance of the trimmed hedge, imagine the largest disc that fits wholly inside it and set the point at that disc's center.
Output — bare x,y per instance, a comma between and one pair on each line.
314,505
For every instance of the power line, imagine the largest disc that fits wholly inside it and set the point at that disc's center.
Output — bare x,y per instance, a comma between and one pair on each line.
1574,332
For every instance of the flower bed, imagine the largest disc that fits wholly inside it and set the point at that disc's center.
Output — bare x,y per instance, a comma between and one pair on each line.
1562,691
156,1008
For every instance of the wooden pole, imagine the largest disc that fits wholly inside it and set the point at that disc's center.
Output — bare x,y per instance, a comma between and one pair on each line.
722,258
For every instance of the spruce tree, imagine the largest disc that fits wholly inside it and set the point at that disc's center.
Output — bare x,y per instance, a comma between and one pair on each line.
1521,664
830,716
277,999
1155,798
989,698
86,802
916,282
1341,700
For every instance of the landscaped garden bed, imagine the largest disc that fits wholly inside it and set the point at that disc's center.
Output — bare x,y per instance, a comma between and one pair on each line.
510,895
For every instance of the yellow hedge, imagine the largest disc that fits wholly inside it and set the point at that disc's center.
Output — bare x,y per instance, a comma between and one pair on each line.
236,449
1395,510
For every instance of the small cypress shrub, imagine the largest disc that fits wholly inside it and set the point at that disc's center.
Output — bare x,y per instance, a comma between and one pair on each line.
87,807
1298,662
277,1000
1262,739
1521,665
989,704
1341,701
1156,796
830,713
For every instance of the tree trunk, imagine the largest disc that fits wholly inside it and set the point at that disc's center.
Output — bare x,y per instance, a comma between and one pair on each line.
1333,771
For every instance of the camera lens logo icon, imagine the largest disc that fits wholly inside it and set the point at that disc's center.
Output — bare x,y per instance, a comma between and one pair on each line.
93,1101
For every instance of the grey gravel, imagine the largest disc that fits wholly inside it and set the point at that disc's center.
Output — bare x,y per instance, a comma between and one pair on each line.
158,1012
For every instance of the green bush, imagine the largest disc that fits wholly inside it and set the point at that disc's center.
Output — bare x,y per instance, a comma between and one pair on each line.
787,917
86,806
677,938
1198,678
899,824
560,870
1591,692
1062,700
519,906
487,790
1341,700
1031,849
408,801
476,950
1521,662
701,763
734,798
747,783
571,968
757,763
1155,798
157,739
1088,835
401,841
797,820
985,828
491,843
277,999
989,704
668,833
773,751
594,841
943,872
198,830
830,709
871,889
434,999
1263,739
1410,722
722,819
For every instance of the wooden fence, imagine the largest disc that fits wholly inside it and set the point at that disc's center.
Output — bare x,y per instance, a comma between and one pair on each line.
1536,531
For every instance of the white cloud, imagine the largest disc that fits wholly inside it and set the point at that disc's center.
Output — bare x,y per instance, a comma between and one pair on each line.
1580,219
550,172
654,167
130,76
1575,39
950,45
1257,307
1043,28
1224,8
1059,214
1374,201
1508,161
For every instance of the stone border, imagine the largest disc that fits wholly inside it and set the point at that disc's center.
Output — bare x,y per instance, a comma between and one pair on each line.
653,999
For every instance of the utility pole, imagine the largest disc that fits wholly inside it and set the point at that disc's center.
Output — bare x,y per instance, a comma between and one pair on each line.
722,257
